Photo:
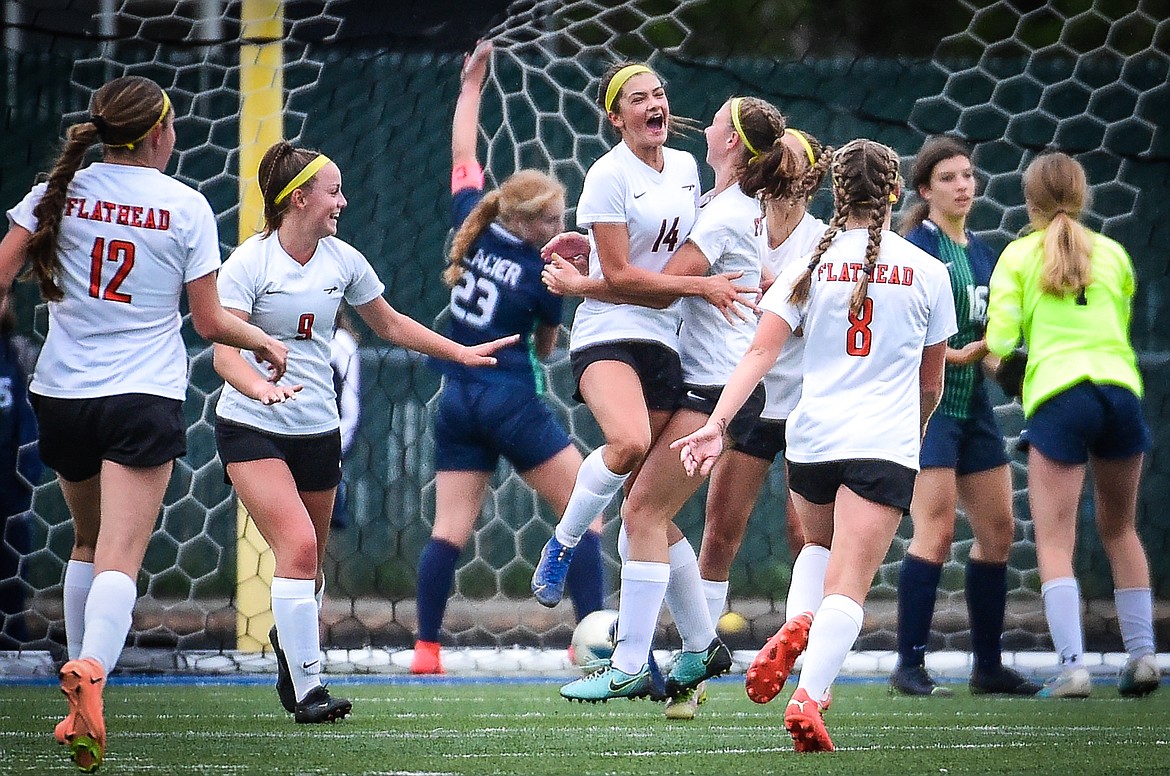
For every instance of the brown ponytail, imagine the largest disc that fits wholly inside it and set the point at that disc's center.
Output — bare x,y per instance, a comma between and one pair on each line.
122,112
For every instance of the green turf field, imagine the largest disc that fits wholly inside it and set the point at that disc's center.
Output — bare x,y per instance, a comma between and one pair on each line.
494,728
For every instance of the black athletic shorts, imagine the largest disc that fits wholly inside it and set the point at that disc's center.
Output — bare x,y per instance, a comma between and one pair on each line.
314,460
132,429
882,482
765,440
703,398
657,366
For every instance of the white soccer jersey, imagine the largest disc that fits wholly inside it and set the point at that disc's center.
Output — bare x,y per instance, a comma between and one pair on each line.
296,304
861,395
725,232
130,238
659,210
782,383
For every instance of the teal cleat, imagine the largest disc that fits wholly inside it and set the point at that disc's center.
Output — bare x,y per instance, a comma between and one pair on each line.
1139,677
607,684
690,668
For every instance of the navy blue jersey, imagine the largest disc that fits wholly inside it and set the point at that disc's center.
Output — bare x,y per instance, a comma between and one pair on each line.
499,294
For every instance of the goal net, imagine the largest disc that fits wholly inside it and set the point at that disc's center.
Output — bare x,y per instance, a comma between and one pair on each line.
1086,76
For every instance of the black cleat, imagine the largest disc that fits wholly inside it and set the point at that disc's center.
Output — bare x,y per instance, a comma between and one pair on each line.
914,680
1001,680
284,683
320,706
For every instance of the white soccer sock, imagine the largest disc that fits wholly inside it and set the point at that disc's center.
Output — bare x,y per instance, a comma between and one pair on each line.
1135,619
686,599
639,602
623,542
319,595
835,627
1062,609
807,587
109,609
716,595
78,580
592,492
295,612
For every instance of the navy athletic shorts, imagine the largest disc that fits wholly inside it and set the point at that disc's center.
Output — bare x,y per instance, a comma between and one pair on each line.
967,445
479,421
1089,418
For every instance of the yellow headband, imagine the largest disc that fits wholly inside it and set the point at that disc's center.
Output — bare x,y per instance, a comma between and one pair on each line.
619,80
166,107
796,133
735,101
302,177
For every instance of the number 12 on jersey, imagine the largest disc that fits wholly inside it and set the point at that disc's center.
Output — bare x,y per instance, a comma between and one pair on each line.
121,253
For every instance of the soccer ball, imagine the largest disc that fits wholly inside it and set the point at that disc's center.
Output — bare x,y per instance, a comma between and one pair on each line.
593,637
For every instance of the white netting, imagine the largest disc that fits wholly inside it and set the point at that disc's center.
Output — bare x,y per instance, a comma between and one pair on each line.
1077,75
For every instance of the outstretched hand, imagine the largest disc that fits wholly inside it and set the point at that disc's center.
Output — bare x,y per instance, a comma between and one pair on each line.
561,277
699,451
273,393
571,244
481,355
728,297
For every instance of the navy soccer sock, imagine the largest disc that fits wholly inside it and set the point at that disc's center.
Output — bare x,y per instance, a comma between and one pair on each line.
917,587
986,599
436,573
585,582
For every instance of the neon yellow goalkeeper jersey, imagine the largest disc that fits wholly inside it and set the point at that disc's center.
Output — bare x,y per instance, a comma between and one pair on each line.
1070,338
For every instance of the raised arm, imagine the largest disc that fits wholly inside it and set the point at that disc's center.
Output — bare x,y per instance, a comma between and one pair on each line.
465,124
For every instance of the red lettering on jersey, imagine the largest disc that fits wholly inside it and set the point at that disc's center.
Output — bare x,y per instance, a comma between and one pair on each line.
72,202
136,216
829,271
110,207
96,215
856,269
124,215
149,223
164,220
894,278
879,274
908,276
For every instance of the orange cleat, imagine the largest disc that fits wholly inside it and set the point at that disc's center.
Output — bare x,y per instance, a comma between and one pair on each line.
84,728
769,671
804,723
426,658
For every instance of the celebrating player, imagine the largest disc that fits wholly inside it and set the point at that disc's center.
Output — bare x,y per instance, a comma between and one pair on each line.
494,274
962,459
282,452
876,312
1069,292
113,246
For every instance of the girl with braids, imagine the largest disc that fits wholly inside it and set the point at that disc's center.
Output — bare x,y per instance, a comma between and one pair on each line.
745,132
113,246
962,459
876,313
494,274
1069,292
284,457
